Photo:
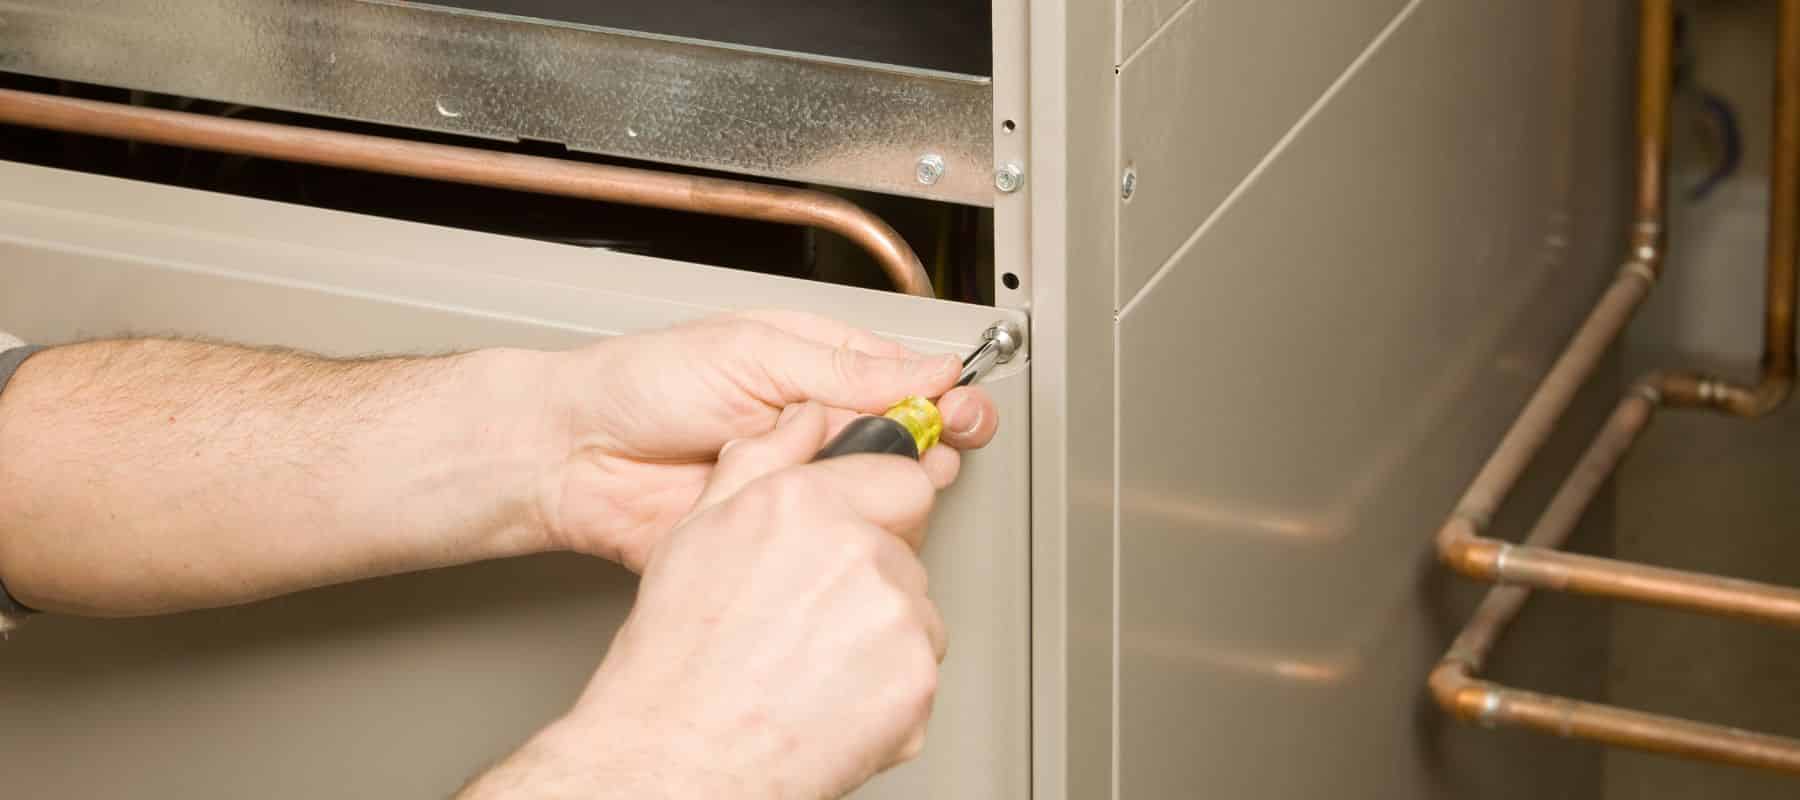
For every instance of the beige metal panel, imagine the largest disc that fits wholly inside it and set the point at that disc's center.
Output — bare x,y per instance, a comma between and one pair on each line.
1141,19
406,686
1012,128
1204,103
1303,393
1072,105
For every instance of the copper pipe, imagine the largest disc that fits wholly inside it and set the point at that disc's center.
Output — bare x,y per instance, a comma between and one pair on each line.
1479,701
1776,378
1595,468
1642,266
607,183
1460,541
1672,588
1536,562
1453,683
1655,71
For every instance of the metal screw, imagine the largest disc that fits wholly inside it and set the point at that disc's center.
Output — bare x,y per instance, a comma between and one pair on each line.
1009,177
929,169
1128,184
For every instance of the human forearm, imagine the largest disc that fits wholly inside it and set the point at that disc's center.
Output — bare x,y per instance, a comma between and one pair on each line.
580,759
154,475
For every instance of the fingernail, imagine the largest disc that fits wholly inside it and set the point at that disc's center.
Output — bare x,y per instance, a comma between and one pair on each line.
726,449
954,416
973,424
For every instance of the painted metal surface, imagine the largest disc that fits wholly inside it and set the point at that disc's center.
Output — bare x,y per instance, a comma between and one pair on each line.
406,686
1071,230
1306,386
1141,19
1203,104
677,101
1012,129
949,35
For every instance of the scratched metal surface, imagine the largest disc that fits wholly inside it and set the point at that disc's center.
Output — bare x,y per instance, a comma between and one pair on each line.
738,109
949,35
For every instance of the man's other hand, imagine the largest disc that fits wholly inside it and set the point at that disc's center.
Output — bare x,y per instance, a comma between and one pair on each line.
782,644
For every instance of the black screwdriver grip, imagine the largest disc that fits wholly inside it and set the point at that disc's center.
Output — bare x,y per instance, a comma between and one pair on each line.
870,435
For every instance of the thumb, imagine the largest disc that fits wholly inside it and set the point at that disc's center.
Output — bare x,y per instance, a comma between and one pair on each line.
798,434
845,377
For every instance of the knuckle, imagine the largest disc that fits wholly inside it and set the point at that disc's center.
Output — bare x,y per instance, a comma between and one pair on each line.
894,610
920,683
848,365
912,748
928,674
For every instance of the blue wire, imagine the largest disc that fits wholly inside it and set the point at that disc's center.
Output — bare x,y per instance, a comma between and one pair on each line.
1731,143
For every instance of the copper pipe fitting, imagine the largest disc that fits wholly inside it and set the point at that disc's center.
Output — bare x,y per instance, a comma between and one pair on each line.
1457,690
1777,372
1453,683
1536,562
614,184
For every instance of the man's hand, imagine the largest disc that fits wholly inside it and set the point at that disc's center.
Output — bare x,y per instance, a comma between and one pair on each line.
146,476
782,644
643,416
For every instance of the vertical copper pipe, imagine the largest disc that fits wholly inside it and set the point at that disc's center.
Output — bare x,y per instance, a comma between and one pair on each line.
1784,205
602,182
1655,71
1776,376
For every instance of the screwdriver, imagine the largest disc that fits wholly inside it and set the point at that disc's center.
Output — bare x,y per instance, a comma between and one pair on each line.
912,426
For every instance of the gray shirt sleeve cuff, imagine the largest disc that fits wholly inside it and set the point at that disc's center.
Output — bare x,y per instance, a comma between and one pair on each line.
11,610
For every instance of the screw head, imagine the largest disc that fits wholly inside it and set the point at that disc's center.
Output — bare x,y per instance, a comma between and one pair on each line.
1128,184
929,169
1009,177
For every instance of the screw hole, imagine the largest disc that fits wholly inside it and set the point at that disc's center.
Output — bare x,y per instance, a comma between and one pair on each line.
1009,280
1007,126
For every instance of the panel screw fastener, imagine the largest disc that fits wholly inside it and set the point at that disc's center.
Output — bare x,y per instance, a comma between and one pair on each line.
1009,177
929,169
1128,184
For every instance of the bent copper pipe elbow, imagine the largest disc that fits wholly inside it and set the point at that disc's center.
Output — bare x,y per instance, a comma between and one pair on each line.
603,182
